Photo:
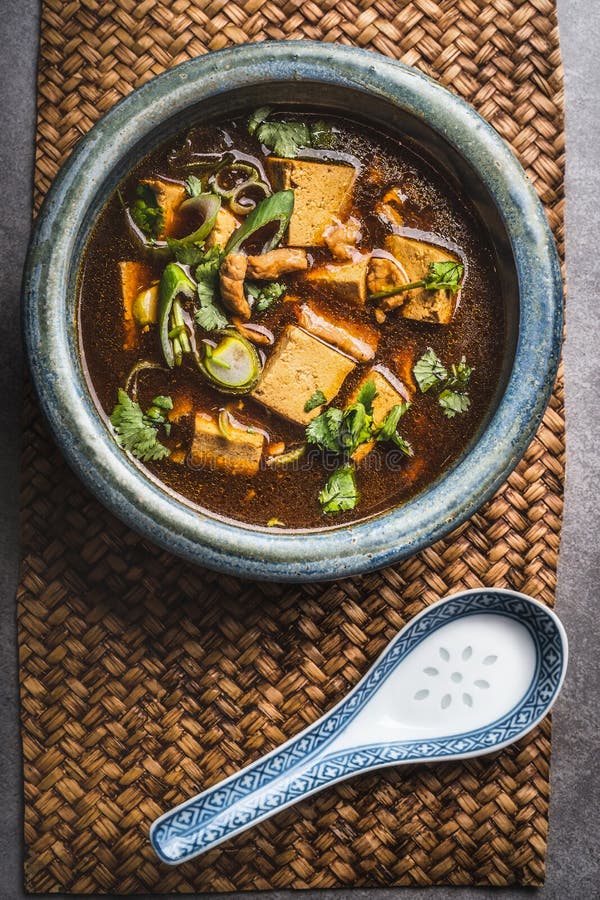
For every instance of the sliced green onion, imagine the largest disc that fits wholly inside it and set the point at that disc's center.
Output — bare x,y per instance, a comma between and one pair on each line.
233,366
207,206
220,176
276,208
131,384
174,281
224,424
284,459
247,192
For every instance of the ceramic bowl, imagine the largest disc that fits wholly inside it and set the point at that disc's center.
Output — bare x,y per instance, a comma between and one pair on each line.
393,98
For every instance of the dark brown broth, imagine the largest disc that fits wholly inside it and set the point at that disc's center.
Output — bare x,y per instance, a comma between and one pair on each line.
385,478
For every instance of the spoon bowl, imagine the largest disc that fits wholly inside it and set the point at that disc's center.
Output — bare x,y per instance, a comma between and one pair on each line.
467,676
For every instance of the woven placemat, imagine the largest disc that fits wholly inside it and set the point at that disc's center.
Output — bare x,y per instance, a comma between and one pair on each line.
144,679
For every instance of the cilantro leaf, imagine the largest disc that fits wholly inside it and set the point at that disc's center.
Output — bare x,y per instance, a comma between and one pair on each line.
317,399
259,116
265,296
147,213
186,254
340,492
193,186
208,313
286,138
366,395
388,428
453,402
390,423
429,370
324,430
356,427
444,276
136,431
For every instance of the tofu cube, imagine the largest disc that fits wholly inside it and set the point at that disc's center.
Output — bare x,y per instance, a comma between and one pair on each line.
348,281
424,306
300,365
169,197
134,277
323,194
390,391
239,454
225,224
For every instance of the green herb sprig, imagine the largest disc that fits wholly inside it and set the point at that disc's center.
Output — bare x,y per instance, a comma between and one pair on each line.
430,372
287,138
445,276
264,296
209,313
137,431
317,399
342,432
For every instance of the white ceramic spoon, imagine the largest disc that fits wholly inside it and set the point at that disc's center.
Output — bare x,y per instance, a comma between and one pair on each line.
467,676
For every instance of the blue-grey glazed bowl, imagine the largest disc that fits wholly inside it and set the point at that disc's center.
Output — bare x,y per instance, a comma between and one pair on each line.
393,98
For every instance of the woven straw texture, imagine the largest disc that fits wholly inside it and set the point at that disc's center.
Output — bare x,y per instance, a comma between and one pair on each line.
144,679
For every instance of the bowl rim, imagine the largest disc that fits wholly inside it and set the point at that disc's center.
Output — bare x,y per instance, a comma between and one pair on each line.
220,544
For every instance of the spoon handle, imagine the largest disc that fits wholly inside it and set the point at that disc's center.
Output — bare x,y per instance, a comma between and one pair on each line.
273,783
262,789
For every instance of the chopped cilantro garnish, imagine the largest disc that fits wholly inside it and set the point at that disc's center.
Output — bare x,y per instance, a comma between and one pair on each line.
389,428
324,430
286,138
442,276
453,402
340,492
342,432
460,375
366,395
186,254
193,186
317,399
265,296
208,313
137,431
430,372
147,213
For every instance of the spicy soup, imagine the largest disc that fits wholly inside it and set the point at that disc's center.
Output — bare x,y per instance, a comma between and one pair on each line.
290,321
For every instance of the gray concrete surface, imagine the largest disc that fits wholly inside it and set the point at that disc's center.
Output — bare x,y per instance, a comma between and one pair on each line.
573,858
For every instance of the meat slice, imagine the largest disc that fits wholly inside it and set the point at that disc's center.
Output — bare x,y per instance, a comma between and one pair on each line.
300,365
231,279
268,266
422,305
322,195
384,274
225,224
348,281
238,454
341,239
357,340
